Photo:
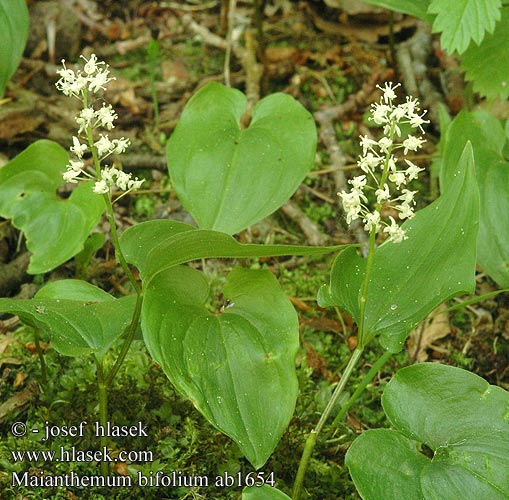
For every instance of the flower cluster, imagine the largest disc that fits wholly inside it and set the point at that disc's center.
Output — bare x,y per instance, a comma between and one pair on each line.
79,84
380,165
93,78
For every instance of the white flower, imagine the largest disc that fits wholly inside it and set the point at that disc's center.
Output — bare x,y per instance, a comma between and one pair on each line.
369,162
103,145
135,183
392,164
412,172
382,194
398,113
372,220
120,145
367,143
410,106
105,116
385,143
396,233
407,196
77,148
358,182
109,175
417,121
70,83
398,178
101,187
405,211
99,81
412,143
380,114
85,118
388,91
122,180
71,175
91,65
351,204
75,165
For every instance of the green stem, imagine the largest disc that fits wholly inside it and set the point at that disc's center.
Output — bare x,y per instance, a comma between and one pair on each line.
313,436
44,373
128,340
360,388
116,244
103,412
361,341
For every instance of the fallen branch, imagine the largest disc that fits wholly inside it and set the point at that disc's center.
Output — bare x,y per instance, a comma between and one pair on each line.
308,227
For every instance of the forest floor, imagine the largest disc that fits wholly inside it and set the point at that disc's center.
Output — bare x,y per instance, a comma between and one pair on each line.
331,61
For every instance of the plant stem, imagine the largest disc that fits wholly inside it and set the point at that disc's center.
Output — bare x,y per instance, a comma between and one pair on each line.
127,343
44,373
313,436
361,341
116,244
103,411
360,388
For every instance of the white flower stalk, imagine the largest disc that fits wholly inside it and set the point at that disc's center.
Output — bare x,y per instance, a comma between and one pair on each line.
380,166
83,84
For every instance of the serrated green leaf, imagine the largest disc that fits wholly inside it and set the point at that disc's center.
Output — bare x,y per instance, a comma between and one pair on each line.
459,416
80,318
492,171
411,278
55,229
230,364
417,8
155,246
461,21
487,66
228,177
13,37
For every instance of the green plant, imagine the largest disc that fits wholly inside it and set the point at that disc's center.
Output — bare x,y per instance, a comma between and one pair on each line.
457,416
488,140
477,30
250,341
232,352
390,292
13,37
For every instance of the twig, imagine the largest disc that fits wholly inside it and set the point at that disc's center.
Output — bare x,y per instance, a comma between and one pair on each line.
143,161
189,8
308,227
253,71
207,36
229,41
411,56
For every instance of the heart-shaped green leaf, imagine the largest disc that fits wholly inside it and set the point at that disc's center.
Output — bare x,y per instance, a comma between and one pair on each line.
55,229
13,37
80,318
230,364
157,245
492,171
228,177
411,278
264,492
462,419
